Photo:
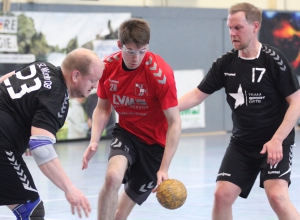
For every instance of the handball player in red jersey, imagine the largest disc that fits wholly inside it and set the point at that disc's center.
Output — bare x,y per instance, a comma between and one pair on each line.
141,88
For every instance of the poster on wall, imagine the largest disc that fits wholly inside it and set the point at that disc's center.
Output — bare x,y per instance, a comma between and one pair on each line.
48,36
185,80
282,30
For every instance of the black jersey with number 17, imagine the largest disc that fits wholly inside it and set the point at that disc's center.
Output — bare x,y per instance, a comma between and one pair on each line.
256,89
36,95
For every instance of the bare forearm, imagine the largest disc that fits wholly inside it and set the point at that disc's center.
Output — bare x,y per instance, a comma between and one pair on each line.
99,122
172,140
289,121
54,171
191,99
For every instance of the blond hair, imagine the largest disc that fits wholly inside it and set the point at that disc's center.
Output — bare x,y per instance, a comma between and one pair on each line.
252,13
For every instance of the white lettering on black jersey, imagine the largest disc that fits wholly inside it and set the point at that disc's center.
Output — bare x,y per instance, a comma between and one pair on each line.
256,90
36,95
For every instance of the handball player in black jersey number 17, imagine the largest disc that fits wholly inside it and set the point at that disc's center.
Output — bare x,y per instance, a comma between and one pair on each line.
33,107
263,94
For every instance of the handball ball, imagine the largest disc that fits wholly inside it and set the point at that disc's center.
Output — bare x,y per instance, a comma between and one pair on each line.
171,194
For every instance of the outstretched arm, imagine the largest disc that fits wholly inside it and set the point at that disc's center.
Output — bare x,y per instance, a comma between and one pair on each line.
191,99
100,119
54,171
172,140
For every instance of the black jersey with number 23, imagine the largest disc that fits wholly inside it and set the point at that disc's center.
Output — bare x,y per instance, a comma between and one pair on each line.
36,95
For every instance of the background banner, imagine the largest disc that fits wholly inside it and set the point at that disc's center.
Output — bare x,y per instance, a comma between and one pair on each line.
47,36
186,80
282,30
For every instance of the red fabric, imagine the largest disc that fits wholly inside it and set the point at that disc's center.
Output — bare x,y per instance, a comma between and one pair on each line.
140,96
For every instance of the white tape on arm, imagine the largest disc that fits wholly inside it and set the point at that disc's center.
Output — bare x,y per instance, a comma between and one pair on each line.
42,149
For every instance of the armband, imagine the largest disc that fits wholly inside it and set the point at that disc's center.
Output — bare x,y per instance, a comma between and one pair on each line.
42,149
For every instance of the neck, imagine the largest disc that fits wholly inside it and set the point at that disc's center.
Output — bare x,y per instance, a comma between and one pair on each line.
67,80
250,51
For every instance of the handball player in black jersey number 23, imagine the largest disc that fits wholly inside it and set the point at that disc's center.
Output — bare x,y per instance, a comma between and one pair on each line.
33,107
263,94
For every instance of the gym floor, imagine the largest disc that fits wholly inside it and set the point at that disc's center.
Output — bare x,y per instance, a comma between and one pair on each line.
195,164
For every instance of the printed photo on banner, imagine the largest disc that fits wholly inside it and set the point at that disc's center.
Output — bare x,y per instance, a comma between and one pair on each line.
282,30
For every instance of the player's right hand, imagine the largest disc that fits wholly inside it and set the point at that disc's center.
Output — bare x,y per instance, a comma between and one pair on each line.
78,201
88,154
161,176
28,152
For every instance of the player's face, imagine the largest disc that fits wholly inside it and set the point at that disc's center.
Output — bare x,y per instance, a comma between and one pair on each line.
241,32
86,83
132,55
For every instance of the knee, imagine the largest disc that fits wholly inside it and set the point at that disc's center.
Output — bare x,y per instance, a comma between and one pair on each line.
277,200
223,197
113,179
277,193
119,215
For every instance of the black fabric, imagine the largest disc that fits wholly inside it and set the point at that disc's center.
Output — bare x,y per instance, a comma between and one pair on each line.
34,96
16,185
144,162
256,90
241,165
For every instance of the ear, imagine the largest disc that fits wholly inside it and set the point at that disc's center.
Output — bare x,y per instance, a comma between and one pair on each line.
75,74
120,45
256,26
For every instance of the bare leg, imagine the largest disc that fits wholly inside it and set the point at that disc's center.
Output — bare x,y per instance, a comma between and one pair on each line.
277,192
11,207
108,197
125,206
225,195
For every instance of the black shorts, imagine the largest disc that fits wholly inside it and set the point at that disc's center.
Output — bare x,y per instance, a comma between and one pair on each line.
143,163
241,165
16,183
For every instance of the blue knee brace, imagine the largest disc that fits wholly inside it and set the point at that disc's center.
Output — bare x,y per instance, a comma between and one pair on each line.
30,211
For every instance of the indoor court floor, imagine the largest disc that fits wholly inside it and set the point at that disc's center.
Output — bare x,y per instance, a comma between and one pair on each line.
196,164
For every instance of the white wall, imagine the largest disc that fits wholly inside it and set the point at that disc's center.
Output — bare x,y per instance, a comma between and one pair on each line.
292,5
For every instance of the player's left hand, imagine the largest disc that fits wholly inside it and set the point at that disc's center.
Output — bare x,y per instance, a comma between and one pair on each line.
88,154
273,148
161,176
78,201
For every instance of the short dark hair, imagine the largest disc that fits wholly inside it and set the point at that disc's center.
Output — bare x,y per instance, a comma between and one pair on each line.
134,30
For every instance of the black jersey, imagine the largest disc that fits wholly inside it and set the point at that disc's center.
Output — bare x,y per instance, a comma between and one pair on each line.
36,95
256,90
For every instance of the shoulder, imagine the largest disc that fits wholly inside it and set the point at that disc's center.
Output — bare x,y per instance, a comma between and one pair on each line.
158,68
228,56
154,62
113,58
112,62
41,65
275,56
153,59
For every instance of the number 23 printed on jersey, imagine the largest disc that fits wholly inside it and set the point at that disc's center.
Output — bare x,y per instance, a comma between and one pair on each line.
24,88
